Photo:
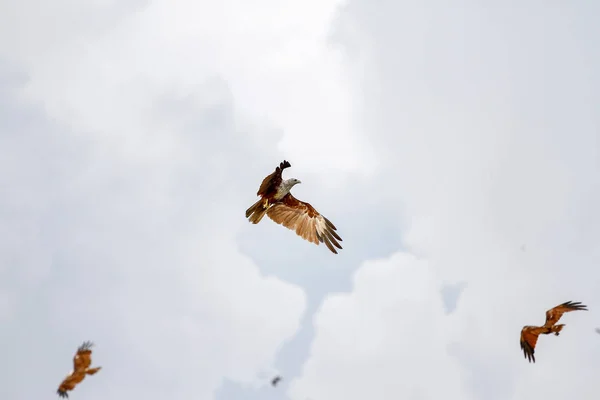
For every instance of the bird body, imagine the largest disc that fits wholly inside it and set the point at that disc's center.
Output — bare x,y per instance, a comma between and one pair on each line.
283,208
275,380
81,368
530,334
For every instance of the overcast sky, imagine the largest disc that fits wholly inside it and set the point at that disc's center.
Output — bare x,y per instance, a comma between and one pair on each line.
456,149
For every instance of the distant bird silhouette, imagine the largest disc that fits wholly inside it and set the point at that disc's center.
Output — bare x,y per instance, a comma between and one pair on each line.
275,380
529,334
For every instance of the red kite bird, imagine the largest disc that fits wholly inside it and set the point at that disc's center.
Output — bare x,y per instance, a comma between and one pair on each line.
81,363
529,334
278,204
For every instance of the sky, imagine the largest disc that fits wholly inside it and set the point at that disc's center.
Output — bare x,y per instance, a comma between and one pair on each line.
456,149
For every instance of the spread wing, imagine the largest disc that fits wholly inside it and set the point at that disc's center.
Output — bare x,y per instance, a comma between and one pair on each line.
529,337
554,314
69,383
273,180
306,221
83,357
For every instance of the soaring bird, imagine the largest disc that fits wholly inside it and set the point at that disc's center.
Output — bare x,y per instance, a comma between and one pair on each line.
275,380
529,334
81,368
277,203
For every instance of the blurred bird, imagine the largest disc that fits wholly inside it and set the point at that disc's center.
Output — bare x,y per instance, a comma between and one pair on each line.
529,334
81,363
278,204
275,380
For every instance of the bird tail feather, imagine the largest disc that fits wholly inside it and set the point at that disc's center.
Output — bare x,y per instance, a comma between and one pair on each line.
257,211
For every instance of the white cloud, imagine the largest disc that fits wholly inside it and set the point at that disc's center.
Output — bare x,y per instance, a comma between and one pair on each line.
273,56
143,126
138,256
120,213
148,123
485,153
393,318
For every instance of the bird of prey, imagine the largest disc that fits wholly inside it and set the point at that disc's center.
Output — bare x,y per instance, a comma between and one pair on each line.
277,203
529,334
81,368
275,380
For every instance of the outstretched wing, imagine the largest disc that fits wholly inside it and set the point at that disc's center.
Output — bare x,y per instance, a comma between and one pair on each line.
69,383
529,337
273,180
306,221
83,357
554,314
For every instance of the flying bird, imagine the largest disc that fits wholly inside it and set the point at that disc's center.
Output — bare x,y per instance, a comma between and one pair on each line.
529,334
275,380
277,203
81,368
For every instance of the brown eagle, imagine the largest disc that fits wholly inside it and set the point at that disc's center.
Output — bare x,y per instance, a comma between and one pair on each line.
81,368
278,203
529,334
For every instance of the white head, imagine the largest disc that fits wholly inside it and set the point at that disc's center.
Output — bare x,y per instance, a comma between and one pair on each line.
289,183
285,187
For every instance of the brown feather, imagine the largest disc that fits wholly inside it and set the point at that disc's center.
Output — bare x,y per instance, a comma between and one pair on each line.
81,363
257,210
292,213
269,185
529,337
553,315
69,383
83,357
306,221
529,334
